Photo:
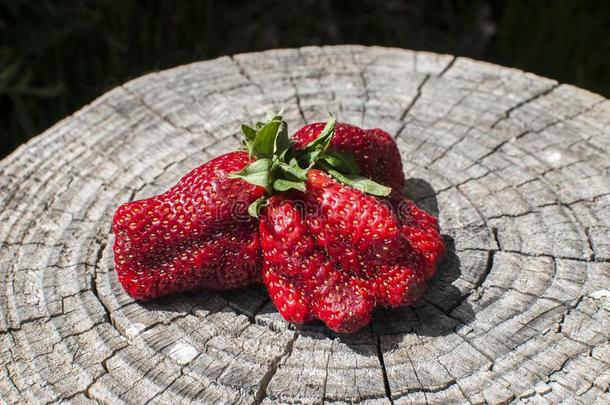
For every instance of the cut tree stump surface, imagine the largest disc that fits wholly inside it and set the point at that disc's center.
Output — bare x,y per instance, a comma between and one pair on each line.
516,166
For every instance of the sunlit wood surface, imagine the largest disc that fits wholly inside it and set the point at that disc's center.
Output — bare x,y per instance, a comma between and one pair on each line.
516,166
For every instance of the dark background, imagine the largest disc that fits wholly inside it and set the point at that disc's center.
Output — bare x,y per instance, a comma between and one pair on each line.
55,56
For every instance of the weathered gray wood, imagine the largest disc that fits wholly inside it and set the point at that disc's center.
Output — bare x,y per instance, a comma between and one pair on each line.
516,166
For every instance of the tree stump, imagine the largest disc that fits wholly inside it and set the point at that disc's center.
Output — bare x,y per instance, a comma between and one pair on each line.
515,165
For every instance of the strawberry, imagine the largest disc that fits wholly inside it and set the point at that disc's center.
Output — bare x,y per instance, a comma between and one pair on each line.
328,243
356,230
301,279
374,150
422,231
336,254
187,238
378,158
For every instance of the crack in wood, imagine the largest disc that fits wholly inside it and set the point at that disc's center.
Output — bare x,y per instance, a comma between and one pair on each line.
520,104
264,384
386,382
531,131
156,113
242,71
528,254
93,281
297,97
104,364
590,242
449,66
409,106
330,354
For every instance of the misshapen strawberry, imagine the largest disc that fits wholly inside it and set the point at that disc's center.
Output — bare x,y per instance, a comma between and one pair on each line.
302,281
362,234
188,237
378,158
336,255
332,242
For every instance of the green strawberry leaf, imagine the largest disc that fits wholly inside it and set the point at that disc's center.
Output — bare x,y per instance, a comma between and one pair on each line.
292,170
344,162
249,132
264,143
282,141
250,135
323,140
307,159
312,152
257,173
284,185
361,183
280,166
255,207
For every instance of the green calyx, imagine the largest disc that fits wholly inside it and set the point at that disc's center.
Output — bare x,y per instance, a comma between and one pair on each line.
279,166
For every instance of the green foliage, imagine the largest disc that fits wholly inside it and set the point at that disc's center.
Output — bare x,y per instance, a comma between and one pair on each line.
55,56
281,166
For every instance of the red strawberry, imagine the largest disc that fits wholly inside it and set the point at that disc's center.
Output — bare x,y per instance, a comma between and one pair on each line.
355,229
422,231
374,149
379,159
330,249
337,256
362,234
300,278
188,237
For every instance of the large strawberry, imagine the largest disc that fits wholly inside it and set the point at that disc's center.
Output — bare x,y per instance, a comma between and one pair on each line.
378,158
188,237
334,253
198,234
330,251
332,246
374,150
300,277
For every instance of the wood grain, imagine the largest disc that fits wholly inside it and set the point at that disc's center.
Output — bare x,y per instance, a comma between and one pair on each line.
516,166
